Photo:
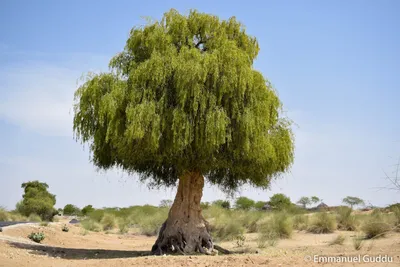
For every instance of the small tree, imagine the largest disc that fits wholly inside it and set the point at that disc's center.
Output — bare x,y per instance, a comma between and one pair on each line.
315,200
70,209
182,102
280,202
222,203
244,203
305,201
37,200
353,201
87,209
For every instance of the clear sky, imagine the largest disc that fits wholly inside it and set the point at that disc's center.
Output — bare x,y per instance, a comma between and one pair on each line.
335,65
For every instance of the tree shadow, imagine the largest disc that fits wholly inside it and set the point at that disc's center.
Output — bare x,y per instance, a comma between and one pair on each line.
78,253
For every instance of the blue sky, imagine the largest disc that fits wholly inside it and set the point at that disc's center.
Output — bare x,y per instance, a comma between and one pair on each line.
335,65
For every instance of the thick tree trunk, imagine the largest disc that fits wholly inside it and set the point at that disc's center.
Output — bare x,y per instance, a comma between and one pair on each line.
185,231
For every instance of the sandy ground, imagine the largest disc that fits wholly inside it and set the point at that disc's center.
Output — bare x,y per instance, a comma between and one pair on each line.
77,248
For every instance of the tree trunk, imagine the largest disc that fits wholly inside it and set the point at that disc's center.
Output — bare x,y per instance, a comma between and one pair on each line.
185,231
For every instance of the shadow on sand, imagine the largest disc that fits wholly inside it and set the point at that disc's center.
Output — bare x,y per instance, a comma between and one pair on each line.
78,253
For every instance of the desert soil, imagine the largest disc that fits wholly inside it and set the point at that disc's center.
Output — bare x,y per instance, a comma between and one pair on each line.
79,248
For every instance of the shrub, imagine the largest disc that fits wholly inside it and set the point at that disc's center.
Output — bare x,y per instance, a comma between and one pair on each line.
91,225
36,237
300,222
34,218
108,222
16,217
4,216
267,237
65,228
150,225
96,215
396,212
248,219
375,226
338,240
225,228
44,224
322,223
358,241
345,219
279,225
123,225
240,240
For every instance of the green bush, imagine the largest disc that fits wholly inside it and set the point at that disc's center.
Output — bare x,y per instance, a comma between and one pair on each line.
375,226
396,212
322,223
4,216
278,224
358,241
36,237
300,222
123,225
34,218
96,215
108,222
224,227
16,217
44,224
248,219
91,225
345,219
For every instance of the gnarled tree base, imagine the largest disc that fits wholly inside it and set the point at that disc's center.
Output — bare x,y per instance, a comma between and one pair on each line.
183,238
186,231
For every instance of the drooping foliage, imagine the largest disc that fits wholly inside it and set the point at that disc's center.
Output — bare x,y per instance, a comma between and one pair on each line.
37,200
183,96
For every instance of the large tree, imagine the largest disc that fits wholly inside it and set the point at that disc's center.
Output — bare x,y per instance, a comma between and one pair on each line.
182,102
37,200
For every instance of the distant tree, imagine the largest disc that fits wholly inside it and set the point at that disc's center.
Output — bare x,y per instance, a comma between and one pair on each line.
315,200
244,203
183,102
37,200
305,201
166,203
87,209
353,201
259,205
222,203
70,209
280,202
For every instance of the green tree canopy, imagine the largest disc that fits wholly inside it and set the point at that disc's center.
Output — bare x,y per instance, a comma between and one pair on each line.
87,209
37,200
70,209
244,203
305,201
315,199
182,96
222,203
353,201
280,202
259,205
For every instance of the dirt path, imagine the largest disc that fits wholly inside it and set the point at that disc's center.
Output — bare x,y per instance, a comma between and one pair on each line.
79,248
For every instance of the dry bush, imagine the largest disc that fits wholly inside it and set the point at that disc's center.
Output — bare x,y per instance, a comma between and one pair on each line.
322,223
376,226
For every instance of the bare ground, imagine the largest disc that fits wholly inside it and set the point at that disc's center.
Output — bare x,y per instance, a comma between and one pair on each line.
80,248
